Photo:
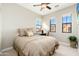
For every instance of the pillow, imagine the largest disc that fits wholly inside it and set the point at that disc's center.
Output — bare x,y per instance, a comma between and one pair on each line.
21,32
29,32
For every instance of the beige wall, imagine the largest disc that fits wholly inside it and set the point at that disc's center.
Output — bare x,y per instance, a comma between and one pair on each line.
13,17
0,26
78,29
58,14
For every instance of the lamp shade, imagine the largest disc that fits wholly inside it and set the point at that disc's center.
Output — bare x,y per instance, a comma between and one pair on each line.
45,28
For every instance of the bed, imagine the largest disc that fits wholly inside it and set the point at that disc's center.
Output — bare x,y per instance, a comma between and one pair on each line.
35,45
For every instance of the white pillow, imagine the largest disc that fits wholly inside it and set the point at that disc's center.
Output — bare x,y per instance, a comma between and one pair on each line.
29,32
21,32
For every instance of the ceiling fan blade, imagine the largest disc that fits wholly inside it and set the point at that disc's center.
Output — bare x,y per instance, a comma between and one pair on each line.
45,3
36,5
48,7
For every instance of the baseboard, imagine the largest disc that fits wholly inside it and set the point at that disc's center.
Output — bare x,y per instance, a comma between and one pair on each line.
6,49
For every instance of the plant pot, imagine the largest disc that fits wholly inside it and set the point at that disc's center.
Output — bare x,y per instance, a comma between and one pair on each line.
73,44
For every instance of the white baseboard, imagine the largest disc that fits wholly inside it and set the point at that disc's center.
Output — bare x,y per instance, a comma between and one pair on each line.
6,49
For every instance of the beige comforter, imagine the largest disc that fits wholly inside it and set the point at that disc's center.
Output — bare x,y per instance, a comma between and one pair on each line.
35,45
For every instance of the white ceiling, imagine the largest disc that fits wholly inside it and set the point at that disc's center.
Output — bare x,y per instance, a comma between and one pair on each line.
45,11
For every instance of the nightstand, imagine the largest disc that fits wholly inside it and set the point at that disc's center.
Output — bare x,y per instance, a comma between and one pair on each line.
44,34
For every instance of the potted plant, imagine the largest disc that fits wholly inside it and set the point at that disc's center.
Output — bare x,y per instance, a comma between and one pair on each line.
73,41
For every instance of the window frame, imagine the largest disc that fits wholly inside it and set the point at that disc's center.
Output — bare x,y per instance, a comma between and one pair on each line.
38,28
38,24
66,25
54,25
51,27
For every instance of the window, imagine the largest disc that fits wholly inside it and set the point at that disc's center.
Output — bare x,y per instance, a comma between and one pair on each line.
53,24
38,24
77,9
67,24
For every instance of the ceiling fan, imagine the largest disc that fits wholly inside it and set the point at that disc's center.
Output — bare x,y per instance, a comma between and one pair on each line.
43,6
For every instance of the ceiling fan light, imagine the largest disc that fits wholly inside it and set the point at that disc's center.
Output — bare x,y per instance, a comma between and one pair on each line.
43,6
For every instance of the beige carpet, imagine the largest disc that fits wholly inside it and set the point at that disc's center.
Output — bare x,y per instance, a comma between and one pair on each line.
63,50
10,52
66,51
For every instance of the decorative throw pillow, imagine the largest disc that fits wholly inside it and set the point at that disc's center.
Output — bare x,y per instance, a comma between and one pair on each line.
21,32
29,32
